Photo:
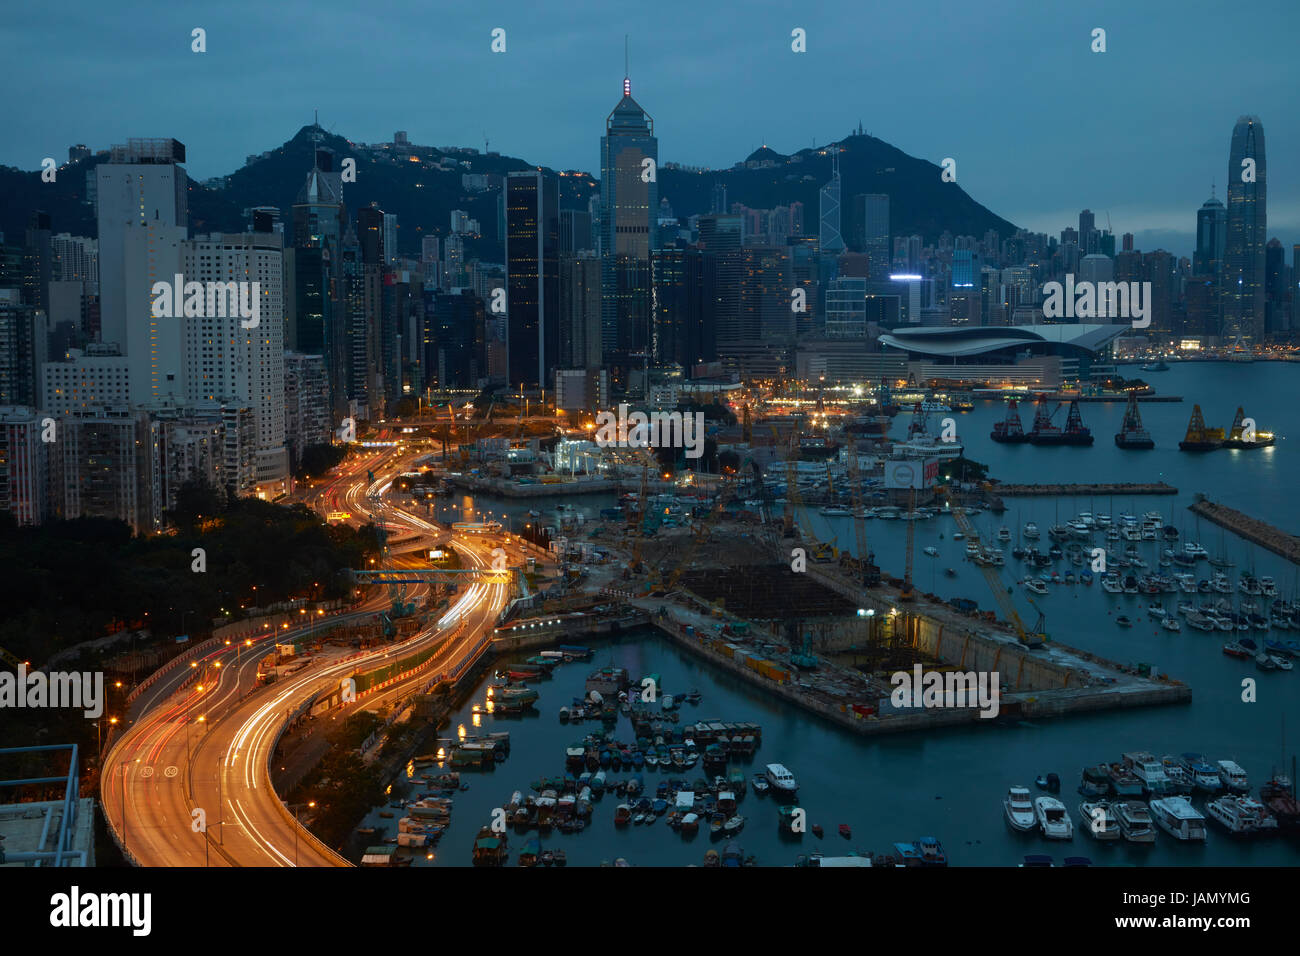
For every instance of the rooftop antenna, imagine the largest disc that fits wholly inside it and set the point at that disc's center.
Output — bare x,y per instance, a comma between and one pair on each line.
627,68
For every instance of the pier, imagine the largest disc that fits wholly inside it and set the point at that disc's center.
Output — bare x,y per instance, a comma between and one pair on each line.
1086,491
1251,529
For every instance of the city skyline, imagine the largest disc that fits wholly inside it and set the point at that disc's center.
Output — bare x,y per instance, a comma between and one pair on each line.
1066,157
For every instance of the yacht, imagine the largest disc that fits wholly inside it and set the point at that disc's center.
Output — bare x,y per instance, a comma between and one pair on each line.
1193,550
1019,810
1035,585
1177,817
782,780
1111,584
1134,821
932,551
1031,531
1052,819
1268,586
1202,772
1233,777
1004,533
1099,820
1200,622
1150,772
1240,816
1171,624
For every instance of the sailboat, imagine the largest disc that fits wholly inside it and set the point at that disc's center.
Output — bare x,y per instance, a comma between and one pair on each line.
1220,559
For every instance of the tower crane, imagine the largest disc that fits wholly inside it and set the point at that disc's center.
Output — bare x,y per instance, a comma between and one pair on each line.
1030,637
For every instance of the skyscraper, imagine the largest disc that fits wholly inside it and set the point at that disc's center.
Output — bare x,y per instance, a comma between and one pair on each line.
629,206
532,276
1211,232
832,239
1243,256
142,210
872,217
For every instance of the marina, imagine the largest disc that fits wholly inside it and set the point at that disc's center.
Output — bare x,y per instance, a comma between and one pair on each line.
1143,551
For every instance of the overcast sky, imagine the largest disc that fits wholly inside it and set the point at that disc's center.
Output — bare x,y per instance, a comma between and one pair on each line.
1040,126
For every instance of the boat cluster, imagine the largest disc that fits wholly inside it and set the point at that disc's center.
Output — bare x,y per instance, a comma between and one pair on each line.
1131,798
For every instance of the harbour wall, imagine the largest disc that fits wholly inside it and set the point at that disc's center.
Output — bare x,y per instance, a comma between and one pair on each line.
1085,491
1252,529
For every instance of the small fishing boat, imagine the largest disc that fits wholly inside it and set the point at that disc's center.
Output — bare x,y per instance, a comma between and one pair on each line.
1123,621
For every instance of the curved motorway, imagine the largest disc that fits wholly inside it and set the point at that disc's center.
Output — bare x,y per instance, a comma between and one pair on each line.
196,757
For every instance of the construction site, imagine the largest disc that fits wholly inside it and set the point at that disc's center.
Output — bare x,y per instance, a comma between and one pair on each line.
746,589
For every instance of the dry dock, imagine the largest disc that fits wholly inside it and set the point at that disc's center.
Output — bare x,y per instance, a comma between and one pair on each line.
1252,529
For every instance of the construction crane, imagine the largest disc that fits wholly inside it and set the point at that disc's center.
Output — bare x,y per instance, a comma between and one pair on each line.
908,593
9,659
1031,638
866,561
703,527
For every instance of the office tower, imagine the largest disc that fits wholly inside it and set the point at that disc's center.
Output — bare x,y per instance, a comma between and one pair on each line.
1128,242
22,349
1097,269
1275,288
25,465
1088,236
846,307
629,204
456,339
430,259
1211,234
721,237
454,266
575,231
142,213
1158,269
227,363
1243,255
312,263
370,234
964,264
579,323
390,238
719,203
765,284
871,214
532,276
832,239
685,293
38,261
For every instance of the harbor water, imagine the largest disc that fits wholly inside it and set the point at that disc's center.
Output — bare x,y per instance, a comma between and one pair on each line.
950,784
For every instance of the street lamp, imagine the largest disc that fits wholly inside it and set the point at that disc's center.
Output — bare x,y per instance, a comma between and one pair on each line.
295,807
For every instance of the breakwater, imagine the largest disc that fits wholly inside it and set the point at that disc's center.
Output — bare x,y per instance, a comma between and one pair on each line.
1086,491
1252,529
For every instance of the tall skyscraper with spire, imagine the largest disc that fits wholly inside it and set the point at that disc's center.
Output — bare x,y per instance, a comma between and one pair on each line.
1243,256
832,237
629,203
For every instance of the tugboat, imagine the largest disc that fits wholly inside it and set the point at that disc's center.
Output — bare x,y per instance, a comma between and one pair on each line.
1198,437
1010,431
1131,433
1045,433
